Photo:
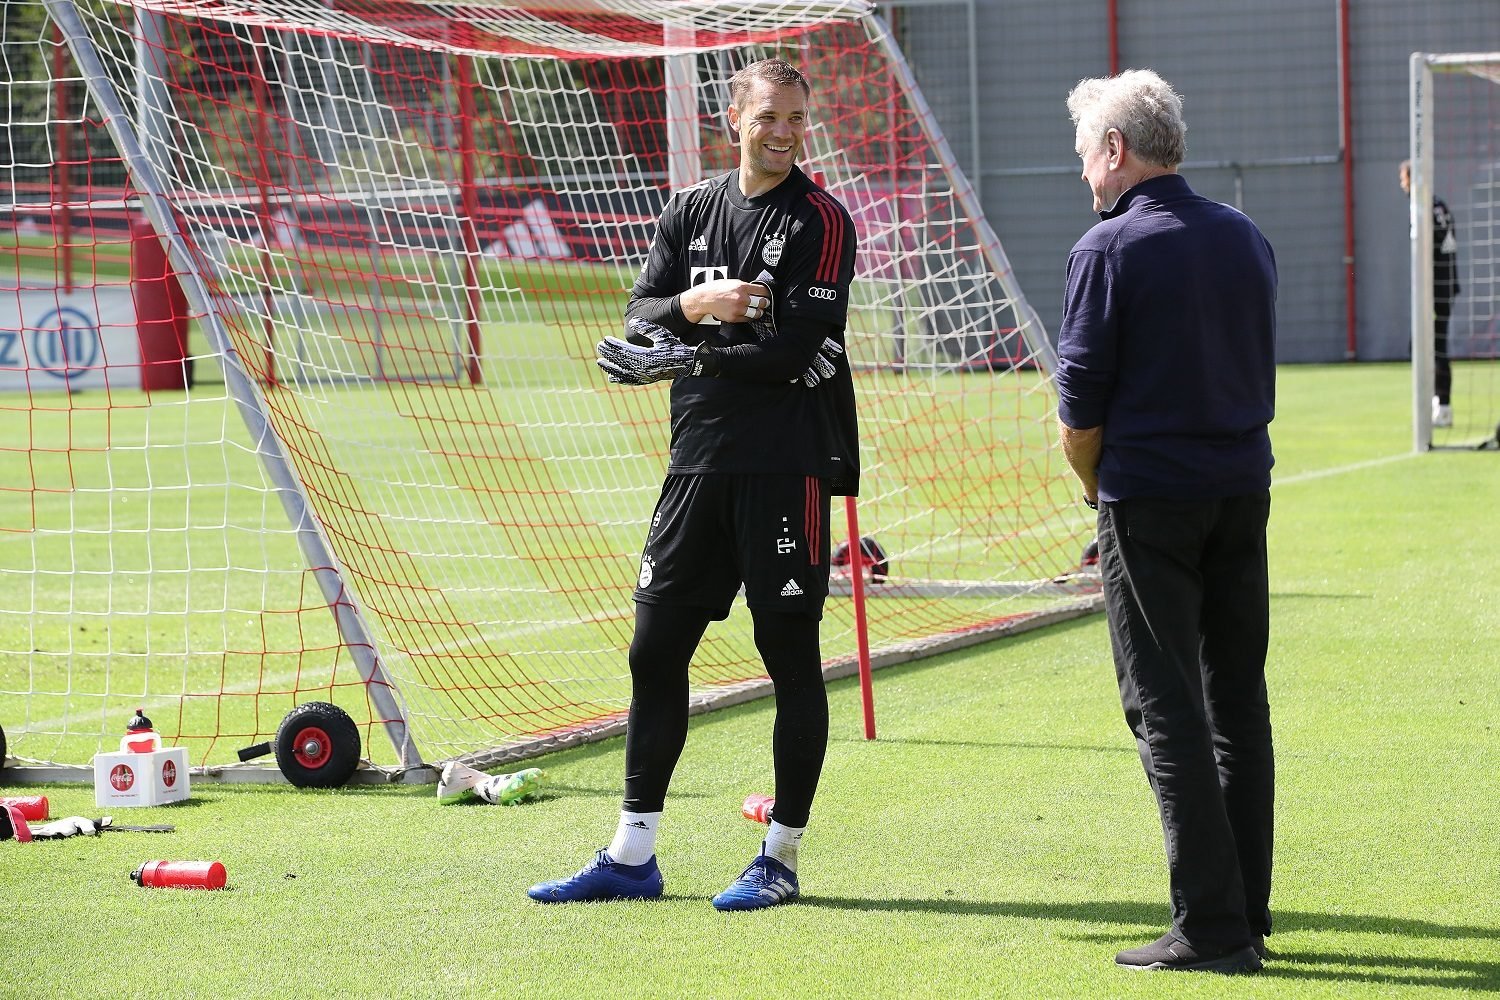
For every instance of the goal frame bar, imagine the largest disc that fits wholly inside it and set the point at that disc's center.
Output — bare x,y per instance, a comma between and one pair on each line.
1423,66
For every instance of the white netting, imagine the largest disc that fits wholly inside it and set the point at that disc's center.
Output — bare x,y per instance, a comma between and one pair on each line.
411,223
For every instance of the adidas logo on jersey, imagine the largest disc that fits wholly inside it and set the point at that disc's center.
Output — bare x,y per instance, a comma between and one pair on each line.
791,589
699,245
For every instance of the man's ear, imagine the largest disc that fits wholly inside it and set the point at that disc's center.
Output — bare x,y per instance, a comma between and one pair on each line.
1114,146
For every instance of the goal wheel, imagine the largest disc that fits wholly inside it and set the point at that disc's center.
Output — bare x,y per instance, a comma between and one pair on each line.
1090,558
317,745
2,749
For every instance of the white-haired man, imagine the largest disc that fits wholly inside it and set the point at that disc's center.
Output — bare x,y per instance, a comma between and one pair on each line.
1166,385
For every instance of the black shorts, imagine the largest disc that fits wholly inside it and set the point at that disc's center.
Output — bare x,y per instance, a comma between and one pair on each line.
711,533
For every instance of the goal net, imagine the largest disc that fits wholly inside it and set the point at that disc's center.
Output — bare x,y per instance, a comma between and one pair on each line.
298,305
1456,160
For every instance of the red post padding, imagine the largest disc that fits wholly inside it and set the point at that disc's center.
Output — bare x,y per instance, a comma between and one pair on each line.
861,623
161,313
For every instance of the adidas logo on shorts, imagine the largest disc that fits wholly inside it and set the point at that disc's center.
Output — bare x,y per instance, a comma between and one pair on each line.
791,589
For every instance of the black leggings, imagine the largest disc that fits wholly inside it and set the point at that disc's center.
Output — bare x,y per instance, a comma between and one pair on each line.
663,646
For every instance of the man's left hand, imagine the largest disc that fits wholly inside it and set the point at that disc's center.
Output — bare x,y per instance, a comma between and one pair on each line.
822,363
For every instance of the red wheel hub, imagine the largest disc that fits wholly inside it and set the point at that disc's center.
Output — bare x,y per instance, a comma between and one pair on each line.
312,747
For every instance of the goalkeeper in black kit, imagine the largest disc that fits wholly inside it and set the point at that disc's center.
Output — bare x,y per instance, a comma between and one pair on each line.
742,304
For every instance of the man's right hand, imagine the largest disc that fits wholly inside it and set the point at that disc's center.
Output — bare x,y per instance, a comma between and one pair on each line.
728,300
1082,448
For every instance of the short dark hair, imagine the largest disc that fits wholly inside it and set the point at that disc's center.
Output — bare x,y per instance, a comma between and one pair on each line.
776,71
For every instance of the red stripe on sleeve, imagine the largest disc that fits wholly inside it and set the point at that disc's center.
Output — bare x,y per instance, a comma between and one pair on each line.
823,248
836,250
833,238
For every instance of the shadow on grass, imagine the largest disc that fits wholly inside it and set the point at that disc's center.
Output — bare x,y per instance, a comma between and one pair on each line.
1404,970
1397,969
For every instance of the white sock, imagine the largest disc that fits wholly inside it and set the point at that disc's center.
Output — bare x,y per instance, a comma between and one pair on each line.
782,843
635,838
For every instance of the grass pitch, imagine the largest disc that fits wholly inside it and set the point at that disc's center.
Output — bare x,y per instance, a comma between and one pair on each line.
997,839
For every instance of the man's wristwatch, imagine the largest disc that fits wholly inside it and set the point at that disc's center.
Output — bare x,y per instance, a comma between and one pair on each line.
1092,504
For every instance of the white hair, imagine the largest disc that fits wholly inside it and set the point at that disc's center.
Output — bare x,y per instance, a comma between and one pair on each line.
1141,106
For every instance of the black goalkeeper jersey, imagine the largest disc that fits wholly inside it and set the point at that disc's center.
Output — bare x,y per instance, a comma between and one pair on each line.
798,239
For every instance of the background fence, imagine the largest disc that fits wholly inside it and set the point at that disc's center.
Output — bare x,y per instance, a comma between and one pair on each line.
1265,110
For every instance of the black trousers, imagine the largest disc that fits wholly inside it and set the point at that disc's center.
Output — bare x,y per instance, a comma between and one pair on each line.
1186,591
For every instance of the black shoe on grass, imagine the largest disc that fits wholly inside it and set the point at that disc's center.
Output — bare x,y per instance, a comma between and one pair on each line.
1168,953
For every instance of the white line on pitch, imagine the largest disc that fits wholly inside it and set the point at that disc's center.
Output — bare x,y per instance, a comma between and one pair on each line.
1339,470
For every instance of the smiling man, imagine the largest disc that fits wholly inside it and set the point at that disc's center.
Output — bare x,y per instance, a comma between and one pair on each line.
741,303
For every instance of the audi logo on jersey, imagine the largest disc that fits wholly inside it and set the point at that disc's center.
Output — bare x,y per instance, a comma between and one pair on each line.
819,292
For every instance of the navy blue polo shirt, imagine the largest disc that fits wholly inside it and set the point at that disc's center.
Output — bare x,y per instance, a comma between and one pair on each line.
1168,340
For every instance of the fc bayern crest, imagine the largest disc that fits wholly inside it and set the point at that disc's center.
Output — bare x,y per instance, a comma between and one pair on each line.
771,252
646,573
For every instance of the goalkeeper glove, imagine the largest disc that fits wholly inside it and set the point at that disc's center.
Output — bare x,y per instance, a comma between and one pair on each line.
822,363
14,825
73,826
661,356
764,326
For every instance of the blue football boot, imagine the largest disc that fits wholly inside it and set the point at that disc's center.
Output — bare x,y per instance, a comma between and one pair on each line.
602,878
766,882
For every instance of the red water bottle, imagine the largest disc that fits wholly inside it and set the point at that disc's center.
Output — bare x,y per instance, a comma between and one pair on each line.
140,736
758,808
180,874
32,807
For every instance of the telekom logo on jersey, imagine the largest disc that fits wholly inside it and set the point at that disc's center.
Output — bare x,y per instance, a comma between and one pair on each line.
702,275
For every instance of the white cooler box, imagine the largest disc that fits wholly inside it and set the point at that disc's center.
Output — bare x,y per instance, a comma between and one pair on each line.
141,779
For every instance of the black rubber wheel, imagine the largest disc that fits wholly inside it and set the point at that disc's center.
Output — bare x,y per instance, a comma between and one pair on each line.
317,745
2,749
1090,558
